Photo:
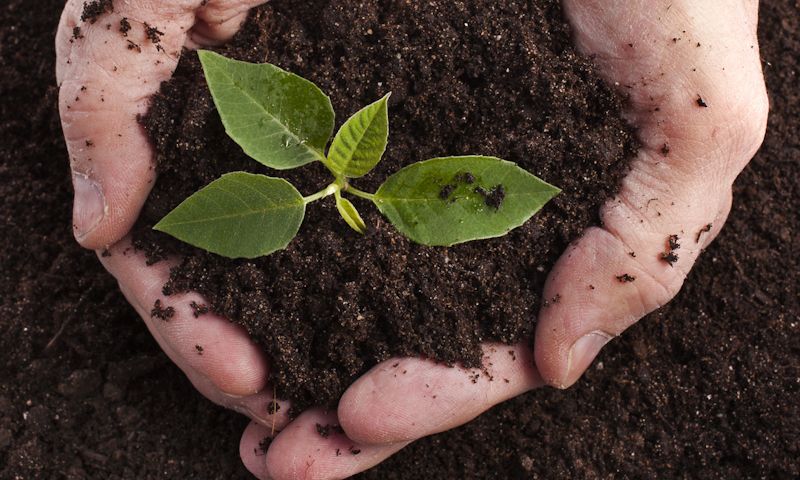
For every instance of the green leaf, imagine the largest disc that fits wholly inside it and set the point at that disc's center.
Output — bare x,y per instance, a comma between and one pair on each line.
451,200
280,119
239,215
350,215
360,143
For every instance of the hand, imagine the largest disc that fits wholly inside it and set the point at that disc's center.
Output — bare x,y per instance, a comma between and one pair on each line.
697,96
107,69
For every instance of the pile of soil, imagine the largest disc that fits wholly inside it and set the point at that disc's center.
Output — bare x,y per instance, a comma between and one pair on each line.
706,388
464,81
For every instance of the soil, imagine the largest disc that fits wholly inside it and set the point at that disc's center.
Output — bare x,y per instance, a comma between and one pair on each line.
706,388
335,303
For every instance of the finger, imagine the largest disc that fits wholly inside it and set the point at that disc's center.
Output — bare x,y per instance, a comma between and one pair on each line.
209,345
218,21
406,399
698,132
105,77
301,451
253,449
107,68
597,289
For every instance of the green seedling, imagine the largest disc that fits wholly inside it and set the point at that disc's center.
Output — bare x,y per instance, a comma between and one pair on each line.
284,121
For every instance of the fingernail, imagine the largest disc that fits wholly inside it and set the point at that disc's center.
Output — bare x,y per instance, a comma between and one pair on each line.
90,206
582,353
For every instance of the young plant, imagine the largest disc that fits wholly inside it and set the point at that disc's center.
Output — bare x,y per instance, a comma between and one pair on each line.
284,121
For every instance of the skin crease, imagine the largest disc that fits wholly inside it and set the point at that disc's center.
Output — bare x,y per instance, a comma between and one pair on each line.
665,55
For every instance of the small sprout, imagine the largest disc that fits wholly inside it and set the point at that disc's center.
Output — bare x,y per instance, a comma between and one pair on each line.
446,191
494,197
349,213
284,121
465,177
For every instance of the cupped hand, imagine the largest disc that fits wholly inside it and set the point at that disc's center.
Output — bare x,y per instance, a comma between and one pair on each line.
693,76
111,57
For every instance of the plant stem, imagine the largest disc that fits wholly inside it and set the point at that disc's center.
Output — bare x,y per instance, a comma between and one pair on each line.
358,193
326,192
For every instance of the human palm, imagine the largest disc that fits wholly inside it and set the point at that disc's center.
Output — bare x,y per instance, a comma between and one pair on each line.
696,94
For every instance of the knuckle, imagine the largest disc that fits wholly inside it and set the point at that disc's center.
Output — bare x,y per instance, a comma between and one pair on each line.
747,118
669,283
220,12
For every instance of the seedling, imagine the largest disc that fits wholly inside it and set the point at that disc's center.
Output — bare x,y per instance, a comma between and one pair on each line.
284,121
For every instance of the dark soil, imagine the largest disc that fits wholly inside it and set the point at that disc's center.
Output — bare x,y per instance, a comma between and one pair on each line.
463,81
706,388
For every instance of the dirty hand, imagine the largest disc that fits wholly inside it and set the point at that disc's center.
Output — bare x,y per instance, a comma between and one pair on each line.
109,63
697,96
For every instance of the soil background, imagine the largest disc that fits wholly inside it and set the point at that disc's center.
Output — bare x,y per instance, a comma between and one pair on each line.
708,387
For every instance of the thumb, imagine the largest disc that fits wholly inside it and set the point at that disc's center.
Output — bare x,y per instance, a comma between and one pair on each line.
678,193
111,58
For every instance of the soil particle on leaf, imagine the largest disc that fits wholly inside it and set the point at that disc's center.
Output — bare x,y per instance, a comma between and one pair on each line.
76,33
94,9
199,349
161,312
355,451
701,102
665,149
494,197
273,407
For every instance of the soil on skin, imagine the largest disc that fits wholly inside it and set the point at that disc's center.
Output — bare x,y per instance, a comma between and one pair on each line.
706,388
482,77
